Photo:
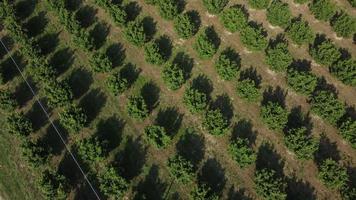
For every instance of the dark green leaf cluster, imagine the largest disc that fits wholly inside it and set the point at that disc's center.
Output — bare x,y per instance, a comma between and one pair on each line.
259,4
248,89
137,107
135,33
300,142
274,115
154,54
72,118
302,81
117,84
100,62
157,136
173,76
185,26
234,18
203,192
253,38
228,64
19,125
111,184
269,186
53,185
278,14
322,9
168,9
91,150
215,6
352,2
195,100
332,174
57,93
34,153
344,25
181,169
207,43
347,130
300,32
327,106
278,57
241,152
325,53
215,122
7,101
345,70
117,12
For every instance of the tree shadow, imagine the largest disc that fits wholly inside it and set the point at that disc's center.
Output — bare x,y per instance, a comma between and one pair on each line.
326,149
244,129
152,187
9,43
273,42
192,147
277,95
24,9
72,5
224,104
251,73
52,140
212,35
170,119
150,93
70,170
301,65
8,69
299,190
149,26
36,25
213,175
133,10
99,34
165,46
22,93
62,60
92,103
116,54
80,81
84,190
297,119
324,85
48,43
109,132
37,116
237,194
268,158
185,62
195,16
258,26
203,84
130,72
132,158
86,16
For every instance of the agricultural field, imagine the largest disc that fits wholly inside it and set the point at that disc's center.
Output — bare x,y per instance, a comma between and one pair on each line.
178,99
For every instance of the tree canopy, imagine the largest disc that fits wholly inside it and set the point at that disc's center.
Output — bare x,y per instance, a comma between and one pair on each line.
135,33
157,136
302,81
72,118
207,43
345,70
112,184
18,124
181,169
259,4
274,115
241,152
300,32
322,9
215,6
173,76
332,174
325,53
253,38
234,18
185,25
278,56
344,25
215,122
269,186
278,14
195,100
228,64
137,107
300,142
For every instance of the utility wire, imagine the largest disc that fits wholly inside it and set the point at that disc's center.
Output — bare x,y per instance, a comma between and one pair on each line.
49,119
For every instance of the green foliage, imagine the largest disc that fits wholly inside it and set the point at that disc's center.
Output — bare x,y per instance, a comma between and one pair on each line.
157,136
53,185
332,174
117,84
7,101
100,62
278,57
234,18
215,122
173,76
203,192
168,9
259,4
327,106
185,26
18,124
300,1
135,33
352,2
300,142
248,89
90,150
278,14
153,53
347,130
137,107
269,186
253,38
181,169
228,64
207,43
345,70
322,9
302,81
34,153
72,118
274,115
117,13
325,53
195,100
344,25
111,184
215,6
300,32
241,152
57,93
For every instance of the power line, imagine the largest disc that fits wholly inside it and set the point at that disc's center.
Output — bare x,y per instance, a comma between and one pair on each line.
49,119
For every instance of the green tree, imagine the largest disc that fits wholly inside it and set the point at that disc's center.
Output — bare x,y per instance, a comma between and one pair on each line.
57,93
352,2
112,184
90,150
253,38
344,25
34,153
203,192
185,26
347,130
215,6
300,142
322,9
181,169
154,54
278,57
117,84
100,62
300,32
118,14
332,174
241,152
269,186
137,107
135,33
274,115
234,18
259,4
72,118
18,124
228,64
248,89
215,122
278,14
325,53
53,185
327,106
345,70
207,43
195,100
302,81
7,101
168,9
157,136
173,76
